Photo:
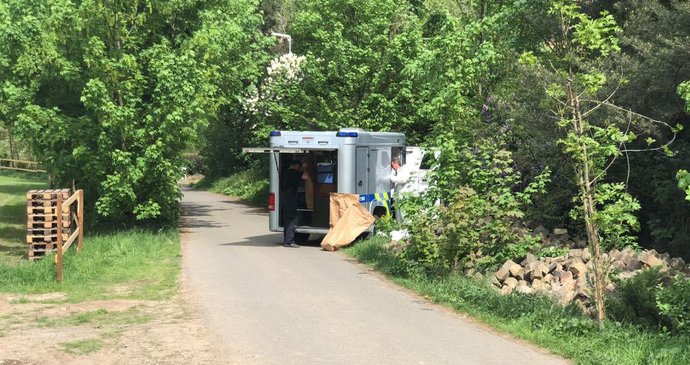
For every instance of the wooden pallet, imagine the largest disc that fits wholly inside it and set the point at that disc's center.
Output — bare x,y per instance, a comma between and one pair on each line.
47,194
47,231
41,224
66,223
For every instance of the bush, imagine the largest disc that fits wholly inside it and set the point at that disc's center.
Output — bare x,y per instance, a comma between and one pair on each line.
477,222
673,303
645,300
635,300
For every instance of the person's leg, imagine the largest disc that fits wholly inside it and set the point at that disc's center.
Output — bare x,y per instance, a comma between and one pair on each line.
289,229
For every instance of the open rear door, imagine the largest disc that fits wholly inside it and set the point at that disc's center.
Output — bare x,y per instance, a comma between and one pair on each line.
282,149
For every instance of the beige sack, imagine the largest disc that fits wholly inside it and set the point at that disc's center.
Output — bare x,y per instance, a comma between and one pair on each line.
339,204
352,220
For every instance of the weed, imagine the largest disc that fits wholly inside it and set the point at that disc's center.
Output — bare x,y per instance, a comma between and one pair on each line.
81,347
20,300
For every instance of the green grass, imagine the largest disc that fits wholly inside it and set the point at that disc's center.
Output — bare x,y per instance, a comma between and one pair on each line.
99,317
537,319
13,188
249,185
128,264
81,347
146,263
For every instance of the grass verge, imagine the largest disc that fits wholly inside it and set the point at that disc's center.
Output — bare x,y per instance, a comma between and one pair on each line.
250,185
537,319
131,264
134,264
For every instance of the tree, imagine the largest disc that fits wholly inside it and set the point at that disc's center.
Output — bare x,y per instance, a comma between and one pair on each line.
594,137
136,81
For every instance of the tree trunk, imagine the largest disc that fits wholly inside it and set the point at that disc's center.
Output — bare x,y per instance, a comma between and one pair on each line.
12,149
587,188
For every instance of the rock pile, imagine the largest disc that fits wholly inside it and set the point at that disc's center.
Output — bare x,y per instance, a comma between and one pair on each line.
569,278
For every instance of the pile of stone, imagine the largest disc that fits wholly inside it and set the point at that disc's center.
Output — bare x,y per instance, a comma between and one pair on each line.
569,277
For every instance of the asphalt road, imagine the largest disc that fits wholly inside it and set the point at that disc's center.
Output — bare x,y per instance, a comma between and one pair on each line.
267,304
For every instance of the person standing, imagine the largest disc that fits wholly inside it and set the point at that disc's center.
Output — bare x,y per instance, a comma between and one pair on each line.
289,185
400,175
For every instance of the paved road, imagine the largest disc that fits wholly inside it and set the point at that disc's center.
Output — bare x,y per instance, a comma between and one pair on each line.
273,305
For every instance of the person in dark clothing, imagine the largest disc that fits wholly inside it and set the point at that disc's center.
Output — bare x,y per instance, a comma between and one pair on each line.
289,202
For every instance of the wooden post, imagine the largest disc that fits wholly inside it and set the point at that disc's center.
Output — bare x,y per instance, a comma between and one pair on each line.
80,217
58,261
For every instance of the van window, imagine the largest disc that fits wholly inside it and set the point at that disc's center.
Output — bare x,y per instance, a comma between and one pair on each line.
427,160
399,153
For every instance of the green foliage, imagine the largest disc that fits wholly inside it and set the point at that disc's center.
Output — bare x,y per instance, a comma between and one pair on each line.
615,216
370,65
684,182
386,224
477,223
673,302
112,95
194,164
634,301
250,185
652,300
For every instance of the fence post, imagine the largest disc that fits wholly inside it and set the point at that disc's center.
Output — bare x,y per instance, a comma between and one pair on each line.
58,211
80,217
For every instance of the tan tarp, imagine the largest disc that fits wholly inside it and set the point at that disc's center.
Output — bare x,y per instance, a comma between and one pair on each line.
348,219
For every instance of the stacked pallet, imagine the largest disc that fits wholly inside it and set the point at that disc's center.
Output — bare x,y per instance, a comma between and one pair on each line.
42,221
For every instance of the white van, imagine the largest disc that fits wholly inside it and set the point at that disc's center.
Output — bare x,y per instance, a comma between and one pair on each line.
350,160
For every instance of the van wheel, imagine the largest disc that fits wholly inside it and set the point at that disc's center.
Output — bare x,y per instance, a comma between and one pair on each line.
379,212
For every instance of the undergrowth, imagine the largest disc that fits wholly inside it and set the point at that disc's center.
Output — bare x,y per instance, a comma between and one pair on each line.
250,185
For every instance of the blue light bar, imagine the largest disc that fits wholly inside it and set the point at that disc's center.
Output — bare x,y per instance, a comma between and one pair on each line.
347,134
275,133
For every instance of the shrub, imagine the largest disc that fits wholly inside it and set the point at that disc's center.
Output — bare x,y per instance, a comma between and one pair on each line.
471,215
673,303
635,300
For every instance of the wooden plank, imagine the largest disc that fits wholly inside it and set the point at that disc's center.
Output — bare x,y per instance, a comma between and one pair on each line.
46,224
58,259
19,169
20,161
80,219
69,201
70,240
42,239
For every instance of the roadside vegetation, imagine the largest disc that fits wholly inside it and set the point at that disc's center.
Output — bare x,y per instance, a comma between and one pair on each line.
250,185
538,319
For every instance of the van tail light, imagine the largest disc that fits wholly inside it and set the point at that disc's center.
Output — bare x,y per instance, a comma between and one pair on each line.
272,202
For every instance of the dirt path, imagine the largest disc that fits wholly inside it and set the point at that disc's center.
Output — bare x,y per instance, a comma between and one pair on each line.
42,329
268,304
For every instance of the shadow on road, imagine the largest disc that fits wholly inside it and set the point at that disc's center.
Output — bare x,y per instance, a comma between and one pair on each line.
193,216
269,241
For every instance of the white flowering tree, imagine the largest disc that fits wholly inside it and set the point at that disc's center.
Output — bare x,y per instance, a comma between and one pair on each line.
263,103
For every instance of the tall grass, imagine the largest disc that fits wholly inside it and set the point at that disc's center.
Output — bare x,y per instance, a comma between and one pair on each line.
563,330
